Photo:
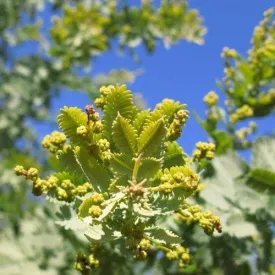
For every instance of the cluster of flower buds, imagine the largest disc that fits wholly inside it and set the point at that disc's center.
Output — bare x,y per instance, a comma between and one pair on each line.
92,206
204,150
94,125
104,91
104,148
211,99
84,31
64,189
207,220
229,53
94,122
241,113
84,262
31,174
178,122
180,253
261,32
82,131
91,113
142,248
177,177
54,142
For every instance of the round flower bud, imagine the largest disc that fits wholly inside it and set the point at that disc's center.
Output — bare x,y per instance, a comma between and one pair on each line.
103,144
172,255
82,131
144,244
211,98
32,174
97,198
98,127
95,211
93,262
19,170
99,102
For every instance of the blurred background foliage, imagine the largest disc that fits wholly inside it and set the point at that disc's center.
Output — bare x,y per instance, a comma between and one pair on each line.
242,193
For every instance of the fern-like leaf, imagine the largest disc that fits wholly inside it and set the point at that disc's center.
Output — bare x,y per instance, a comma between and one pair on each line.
94,171
151,138
124,136
174,155
149,168
69,119
119,101
122,164
140,120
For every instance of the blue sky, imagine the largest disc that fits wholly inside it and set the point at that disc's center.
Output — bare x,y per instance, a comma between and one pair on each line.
186,71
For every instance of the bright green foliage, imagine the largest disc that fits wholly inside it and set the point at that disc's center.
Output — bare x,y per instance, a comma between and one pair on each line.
129,177
124,136
240,192
245,80
29,82
86,31
247,214
262,173
249,88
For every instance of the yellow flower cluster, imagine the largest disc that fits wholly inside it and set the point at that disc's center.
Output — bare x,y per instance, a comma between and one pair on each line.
92,206
241,113
104,147
54,142
142,248
79,34
204,150
211,98
229,53
82,131
179,121
177,177
87,31
246,79
207,220
180,253
64,189
84,262
104,91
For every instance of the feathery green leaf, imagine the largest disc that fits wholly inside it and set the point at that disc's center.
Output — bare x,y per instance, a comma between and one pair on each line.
124,136
119,101
149,168
122,164
151,138
94,171
174,155
69,119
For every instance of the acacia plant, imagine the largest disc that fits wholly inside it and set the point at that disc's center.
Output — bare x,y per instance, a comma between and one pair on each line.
37,62
123,174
